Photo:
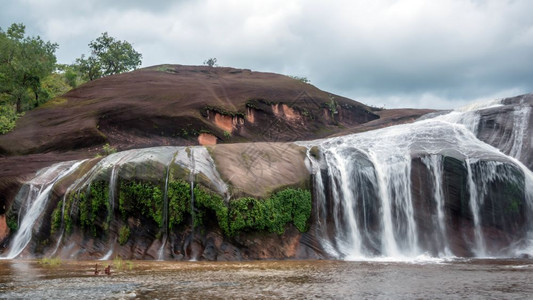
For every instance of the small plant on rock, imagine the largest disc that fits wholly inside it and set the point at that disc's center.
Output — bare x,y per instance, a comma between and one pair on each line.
123,235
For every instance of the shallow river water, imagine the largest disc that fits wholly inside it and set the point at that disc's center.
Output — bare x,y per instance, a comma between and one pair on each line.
497,279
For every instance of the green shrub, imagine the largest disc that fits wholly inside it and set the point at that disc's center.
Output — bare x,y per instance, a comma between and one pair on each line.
123,235
272,214
66,218
301,79
141,198
145,199
205,202
12,223
179,199
94,207
8,117
227,135
108,149
56,219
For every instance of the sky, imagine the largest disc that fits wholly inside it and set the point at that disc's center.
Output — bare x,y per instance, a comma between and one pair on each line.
387,53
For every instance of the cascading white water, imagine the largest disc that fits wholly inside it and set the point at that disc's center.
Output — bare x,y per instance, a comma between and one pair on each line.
435,167
469,116
37,204
112,188
161,252
379,163
367,195
351,239
521,121
479,249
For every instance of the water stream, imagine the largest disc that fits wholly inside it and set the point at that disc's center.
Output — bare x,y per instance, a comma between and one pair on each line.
46,180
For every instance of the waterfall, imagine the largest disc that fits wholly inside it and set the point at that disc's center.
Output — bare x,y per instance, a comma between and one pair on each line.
112,188
370,194
520,125
191,180
474,206
63,201
38,203
161,252
512,142
397,192
434,165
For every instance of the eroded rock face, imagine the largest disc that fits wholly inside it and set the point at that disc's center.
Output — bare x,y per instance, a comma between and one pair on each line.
206,139
123,204
506,128
172,105
255,169
4,230
428,187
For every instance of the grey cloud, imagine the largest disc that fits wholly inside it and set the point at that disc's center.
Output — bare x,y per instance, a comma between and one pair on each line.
416,53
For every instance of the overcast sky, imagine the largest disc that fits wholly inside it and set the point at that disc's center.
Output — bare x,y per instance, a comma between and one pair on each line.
391,53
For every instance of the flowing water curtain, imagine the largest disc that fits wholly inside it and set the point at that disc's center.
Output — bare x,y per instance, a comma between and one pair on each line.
390,152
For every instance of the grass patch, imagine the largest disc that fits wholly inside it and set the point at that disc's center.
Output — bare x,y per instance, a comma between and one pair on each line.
119,264
50,261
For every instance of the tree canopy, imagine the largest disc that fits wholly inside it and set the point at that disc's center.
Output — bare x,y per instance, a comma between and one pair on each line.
108,56
24,64
30,76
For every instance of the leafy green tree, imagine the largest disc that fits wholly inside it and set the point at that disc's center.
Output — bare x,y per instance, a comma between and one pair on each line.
70,74
108,56
24,63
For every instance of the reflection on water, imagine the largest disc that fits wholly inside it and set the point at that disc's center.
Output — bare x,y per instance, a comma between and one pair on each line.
499,279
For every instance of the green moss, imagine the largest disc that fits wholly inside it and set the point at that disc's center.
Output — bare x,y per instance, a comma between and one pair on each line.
94,207
123,235
207,203
221,111
145,199
244,214
108,149
179,198
12,223
141,198
56,218
272,214
247,214
66,218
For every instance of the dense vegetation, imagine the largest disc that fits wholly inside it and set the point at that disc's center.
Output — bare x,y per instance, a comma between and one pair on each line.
198,206
25,62
30,75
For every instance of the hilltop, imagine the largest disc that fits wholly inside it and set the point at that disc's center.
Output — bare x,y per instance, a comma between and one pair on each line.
185,105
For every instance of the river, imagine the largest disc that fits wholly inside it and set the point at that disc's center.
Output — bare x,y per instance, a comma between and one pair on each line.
431,279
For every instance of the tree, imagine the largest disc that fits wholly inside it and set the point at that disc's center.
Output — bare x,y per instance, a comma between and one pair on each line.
24,63
108,56
212,62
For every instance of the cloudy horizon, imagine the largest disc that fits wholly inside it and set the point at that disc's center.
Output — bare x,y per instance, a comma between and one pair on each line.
411,53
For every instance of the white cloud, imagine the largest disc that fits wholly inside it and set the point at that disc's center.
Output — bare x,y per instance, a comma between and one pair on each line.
400,53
